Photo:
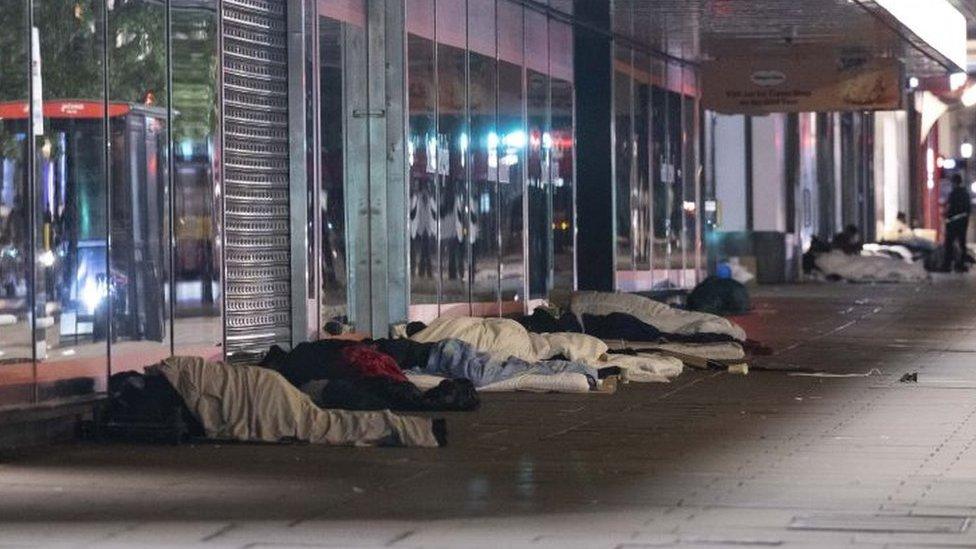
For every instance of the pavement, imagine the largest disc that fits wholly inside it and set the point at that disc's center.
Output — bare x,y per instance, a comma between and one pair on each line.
768,459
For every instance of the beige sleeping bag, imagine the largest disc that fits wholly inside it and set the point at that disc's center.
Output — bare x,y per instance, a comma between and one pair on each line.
249,403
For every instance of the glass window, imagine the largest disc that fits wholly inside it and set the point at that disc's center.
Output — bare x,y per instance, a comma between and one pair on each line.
641,201
690,201
483,158
661,178
338,28
139,185
197,200
562,156
422,150
16,368
676,185
623,160
538,185
71,223
511,154
453,142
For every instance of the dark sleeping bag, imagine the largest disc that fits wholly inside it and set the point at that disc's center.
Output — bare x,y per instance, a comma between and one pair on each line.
629,328
354,375
719,296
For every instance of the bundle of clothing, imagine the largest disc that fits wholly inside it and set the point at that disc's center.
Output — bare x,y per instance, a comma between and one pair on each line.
720,296
869,268
255,404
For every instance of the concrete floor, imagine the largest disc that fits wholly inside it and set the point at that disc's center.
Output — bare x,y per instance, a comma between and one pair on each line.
712,459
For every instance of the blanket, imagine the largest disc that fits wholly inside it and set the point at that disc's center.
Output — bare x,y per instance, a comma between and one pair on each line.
860,268
531,383
454,359
250,403
661,316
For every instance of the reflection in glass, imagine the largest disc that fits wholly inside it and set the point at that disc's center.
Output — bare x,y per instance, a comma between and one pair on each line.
139,185
676,188
453,142
662,174
689,207
332,83
483,159
422,151
512,142
538,185
641,201
15,239
561,155
196,186
623,156
71,283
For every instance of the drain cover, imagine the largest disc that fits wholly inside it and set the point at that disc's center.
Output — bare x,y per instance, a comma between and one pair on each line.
919,524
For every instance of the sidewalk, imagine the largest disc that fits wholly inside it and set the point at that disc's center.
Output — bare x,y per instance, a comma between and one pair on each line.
712,459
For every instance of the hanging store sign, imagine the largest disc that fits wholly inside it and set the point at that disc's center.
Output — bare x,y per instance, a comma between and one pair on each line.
760,85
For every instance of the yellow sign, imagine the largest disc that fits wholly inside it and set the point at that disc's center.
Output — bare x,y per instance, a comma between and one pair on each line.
760,85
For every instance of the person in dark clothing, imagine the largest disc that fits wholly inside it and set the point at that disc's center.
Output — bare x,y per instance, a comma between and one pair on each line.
958,208
849,241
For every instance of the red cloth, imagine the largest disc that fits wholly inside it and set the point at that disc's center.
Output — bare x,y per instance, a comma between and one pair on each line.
371,363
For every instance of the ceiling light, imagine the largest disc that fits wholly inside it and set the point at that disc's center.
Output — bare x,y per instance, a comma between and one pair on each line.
957,80
969,96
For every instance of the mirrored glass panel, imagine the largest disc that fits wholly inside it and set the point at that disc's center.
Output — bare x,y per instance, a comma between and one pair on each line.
197,197
16,366
70,199
512,144
561,164
422,154
538,184
483,158
139,198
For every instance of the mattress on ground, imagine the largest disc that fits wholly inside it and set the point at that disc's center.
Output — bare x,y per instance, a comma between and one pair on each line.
659,315
709,351
534,383
249,403
646,367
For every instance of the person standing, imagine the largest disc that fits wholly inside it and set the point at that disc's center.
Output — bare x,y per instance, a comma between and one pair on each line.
958,208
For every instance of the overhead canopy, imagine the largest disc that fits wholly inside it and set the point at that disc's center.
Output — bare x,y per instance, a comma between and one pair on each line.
927,36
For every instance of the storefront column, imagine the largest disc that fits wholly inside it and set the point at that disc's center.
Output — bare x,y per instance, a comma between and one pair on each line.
594,146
